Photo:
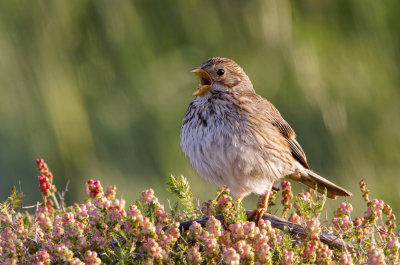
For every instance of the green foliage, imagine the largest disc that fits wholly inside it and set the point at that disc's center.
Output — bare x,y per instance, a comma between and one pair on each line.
13,202
239,213
311,206
103,230
181,188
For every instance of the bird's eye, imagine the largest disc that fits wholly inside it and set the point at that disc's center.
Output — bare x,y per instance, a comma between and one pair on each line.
220,72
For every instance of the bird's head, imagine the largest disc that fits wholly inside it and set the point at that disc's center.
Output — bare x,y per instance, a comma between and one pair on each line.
220,73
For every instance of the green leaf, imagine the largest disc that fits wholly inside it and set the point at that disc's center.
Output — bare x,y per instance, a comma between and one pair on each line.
181,188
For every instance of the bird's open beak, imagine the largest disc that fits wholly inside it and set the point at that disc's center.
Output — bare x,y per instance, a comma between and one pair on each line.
205,81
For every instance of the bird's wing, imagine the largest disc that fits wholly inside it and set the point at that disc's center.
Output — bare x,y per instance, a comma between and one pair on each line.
284,128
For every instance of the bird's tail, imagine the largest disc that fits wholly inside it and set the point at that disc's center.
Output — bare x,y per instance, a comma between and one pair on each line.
313,180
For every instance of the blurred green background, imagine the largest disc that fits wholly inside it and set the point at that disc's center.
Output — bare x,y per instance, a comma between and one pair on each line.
99,88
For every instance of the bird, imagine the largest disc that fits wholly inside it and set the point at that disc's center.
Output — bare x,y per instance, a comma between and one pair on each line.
236,138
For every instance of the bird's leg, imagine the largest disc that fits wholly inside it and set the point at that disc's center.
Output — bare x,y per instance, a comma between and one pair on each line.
262,205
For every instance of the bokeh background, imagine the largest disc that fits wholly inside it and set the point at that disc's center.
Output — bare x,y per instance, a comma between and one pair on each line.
99,88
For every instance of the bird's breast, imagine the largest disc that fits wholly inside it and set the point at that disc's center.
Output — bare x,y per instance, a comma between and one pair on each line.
209,122
224,146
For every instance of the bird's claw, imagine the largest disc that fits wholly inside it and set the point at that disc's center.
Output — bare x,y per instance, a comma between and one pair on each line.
256,215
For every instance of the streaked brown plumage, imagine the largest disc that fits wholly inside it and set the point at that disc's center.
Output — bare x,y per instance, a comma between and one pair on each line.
235,137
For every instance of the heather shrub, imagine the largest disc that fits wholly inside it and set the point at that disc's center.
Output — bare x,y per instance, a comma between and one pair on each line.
105,230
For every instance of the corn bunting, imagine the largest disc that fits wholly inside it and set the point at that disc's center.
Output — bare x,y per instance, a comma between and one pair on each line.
235,137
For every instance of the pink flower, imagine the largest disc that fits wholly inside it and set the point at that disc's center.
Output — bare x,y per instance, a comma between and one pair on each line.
251,230
81,243
81,210
165,240
115,213
287,258
274,239
94,215
174,230
313,228
62,253
230,256
171,235
91,258
44,221
309,253
194,255
393,247
364,190
295,218
287,196
237,230
260,239
387,210
76,261
44,185
375,256
134,215
358,221
93,188
208,208
111,192
214,226
263,253
98,239
394,243
58,229
324,254
195,230
148,196
101,201
342,223
375,208
306,195
344,209
244,250
42,257
153,249
346,259
45,179
147,228
226,239
160,214
210,245
224,205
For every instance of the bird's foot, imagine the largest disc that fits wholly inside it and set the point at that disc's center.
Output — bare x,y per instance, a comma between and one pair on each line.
256,215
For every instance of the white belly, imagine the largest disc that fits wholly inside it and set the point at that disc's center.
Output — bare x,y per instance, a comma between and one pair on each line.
223,150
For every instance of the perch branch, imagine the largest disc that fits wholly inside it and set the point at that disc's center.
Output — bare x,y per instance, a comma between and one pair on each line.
281,224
